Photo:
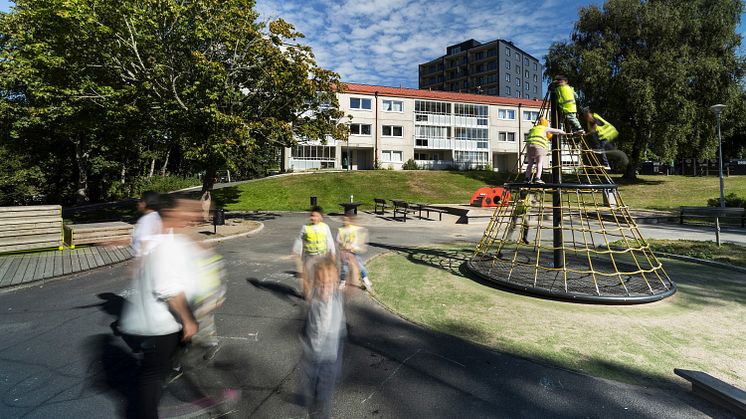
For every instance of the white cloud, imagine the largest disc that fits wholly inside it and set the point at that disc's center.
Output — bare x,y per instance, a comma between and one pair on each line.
383,41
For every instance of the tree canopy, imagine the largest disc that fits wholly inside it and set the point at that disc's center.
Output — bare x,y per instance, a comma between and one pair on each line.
653,68
95,92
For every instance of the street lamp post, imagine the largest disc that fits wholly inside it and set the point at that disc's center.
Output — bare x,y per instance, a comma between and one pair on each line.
717,109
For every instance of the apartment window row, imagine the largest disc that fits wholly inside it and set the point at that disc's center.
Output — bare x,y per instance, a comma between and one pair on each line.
530,115
392,156
392,131
432,132
393,106
360,103
367,104
435,108
475,157
360,129
506,136
314,152
508,114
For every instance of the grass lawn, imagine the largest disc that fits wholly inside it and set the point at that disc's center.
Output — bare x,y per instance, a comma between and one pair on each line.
701,327
291,193
671,192
728,252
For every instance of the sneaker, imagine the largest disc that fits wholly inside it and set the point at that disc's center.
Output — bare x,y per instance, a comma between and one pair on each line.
525,241
368,284
174,374
539,181
607,167
342,284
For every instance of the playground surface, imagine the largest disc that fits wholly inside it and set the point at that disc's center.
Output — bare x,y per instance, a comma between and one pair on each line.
59,357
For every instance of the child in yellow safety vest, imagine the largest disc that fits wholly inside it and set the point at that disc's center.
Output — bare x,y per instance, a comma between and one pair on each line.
601,132
314,243
566,101
522,206
351,240
537,145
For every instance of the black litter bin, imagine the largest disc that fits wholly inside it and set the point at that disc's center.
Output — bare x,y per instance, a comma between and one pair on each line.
314,201
218,219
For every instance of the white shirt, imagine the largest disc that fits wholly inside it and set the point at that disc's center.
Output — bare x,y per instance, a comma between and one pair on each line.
169,269
147,226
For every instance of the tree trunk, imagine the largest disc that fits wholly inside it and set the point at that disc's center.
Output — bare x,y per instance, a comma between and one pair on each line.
152,168
209,180
81,160
122,174
634,160
165,163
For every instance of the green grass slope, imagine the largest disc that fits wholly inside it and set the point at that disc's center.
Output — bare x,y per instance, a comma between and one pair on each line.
291,193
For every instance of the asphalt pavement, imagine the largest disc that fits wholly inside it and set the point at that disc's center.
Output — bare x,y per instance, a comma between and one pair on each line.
59,357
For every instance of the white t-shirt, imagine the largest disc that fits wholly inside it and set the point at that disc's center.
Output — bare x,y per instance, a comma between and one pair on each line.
169,269
147,226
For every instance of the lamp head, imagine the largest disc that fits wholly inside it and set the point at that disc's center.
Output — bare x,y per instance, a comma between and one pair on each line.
717,109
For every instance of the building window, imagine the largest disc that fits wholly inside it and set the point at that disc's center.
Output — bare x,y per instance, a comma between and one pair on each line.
391,131
466,114
535,67
507,77
525,74
422,156
518,70
518,57
391,156
508,114
530,116
536,89
535,78
507,90
393,106
473,157
518,93
507,52
360,103
507,65
525,61
360,129
506,136
528,88
518,83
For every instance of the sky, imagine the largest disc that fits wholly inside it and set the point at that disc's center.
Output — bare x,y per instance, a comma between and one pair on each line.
383,41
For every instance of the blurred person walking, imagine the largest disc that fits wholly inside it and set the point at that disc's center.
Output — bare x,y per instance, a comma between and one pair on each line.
322,340
314,243
158,314
352,240
148,226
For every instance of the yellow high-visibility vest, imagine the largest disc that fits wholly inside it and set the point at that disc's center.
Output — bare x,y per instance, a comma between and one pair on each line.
315,242
538,136
606,131
566,98
353,237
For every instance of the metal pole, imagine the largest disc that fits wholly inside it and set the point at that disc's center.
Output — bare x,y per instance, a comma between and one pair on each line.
559,257
720,167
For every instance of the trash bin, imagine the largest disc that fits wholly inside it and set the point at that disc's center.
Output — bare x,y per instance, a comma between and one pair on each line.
314,201
218,219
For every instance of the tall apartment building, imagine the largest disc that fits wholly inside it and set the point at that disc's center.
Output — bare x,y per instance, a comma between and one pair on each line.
496,68
439,130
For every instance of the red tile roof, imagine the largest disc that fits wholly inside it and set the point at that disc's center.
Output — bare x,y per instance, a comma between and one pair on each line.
438,95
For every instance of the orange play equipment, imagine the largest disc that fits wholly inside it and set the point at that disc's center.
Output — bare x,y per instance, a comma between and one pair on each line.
490,197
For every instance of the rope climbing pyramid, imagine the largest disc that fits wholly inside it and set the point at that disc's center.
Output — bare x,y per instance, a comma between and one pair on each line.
571,238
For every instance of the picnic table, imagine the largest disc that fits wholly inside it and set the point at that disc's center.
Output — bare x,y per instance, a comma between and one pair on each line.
350,206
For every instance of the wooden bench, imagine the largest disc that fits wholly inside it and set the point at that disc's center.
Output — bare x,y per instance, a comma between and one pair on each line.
92,233
379,202
429,208
30,228
713,213
716,391
403,208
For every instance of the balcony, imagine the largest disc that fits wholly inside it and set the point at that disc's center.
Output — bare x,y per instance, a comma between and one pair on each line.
433,143
435,164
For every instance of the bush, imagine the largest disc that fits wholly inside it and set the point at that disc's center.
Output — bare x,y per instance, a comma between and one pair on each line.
410,165
731,201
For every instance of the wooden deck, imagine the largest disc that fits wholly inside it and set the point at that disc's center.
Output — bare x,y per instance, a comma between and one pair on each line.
23,268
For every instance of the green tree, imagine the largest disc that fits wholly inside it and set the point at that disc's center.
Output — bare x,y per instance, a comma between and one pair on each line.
653,68
227,83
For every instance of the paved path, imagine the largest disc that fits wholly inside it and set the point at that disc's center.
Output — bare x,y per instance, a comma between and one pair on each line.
58,357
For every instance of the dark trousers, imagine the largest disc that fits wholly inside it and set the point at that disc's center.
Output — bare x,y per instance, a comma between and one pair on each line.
320,380
156,363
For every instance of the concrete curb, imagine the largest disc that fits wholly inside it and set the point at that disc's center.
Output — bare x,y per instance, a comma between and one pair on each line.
692,259
236,236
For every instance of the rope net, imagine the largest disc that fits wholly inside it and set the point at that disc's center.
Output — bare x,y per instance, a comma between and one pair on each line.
574,239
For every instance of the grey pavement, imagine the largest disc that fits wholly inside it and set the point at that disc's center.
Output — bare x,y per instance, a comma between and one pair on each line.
59,358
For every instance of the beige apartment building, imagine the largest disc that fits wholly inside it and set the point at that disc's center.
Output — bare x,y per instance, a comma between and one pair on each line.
439,130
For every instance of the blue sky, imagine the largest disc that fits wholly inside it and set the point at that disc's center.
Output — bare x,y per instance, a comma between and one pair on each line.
383,41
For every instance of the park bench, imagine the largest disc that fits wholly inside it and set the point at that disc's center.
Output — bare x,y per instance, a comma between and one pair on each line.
716,213
429,208
379,202
715,391
403,208
97,233
30,228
